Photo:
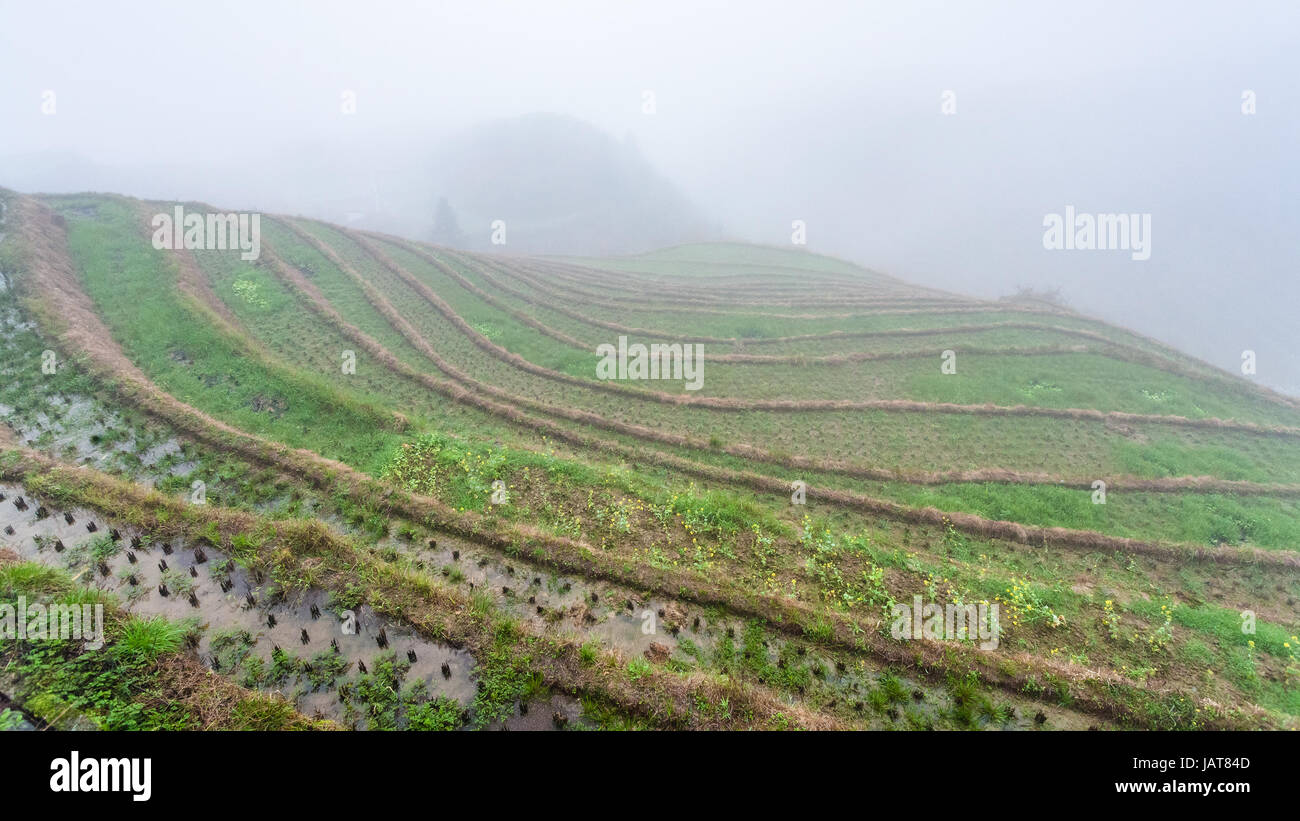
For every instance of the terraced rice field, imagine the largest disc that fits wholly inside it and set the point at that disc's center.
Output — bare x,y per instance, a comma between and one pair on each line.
366,482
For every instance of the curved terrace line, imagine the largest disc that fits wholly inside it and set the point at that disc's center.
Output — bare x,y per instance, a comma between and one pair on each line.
731,404
788,617
464,381
1111,348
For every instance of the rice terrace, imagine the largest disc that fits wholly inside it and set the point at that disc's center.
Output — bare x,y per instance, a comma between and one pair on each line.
361,481
895,395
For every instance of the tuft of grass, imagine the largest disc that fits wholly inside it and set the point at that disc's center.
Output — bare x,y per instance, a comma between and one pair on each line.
150,637
31,578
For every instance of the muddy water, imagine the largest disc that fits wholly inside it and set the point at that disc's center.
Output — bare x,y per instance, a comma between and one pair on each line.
552,603
564,604
559,712
660,629
44,414
270,622
71,426
646,629
636,631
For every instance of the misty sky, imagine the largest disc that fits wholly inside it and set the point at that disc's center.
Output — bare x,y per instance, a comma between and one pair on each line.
764,113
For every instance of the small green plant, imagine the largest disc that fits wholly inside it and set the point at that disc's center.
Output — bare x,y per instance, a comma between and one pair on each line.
453,573
152,636
103,547
638,668
10,720
439,715
250,292
1024,604
1159,638
1110,620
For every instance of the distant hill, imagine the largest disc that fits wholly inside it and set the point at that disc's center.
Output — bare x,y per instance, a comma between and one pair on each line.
561,186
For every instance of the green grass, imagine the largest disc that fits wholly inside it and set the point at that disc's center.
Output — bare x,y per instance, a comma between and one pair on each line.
116,687
133,288
1198,518
748,543
504,679
149,638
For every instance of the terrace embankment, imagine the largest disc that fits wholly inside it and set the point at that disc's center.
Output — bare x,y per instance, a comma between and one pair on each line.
769,607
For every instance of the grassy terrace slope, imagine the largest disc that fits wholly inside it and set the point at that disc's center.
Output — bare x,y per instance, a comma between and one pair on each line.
477,373
168,336
996,442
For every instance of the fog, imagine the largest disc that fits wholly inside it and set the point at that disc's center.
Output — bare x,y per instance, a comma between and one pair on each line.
603,127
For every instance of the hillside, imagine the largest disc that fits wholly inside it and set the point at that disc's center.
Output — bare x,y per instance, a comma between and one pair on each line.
418,437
